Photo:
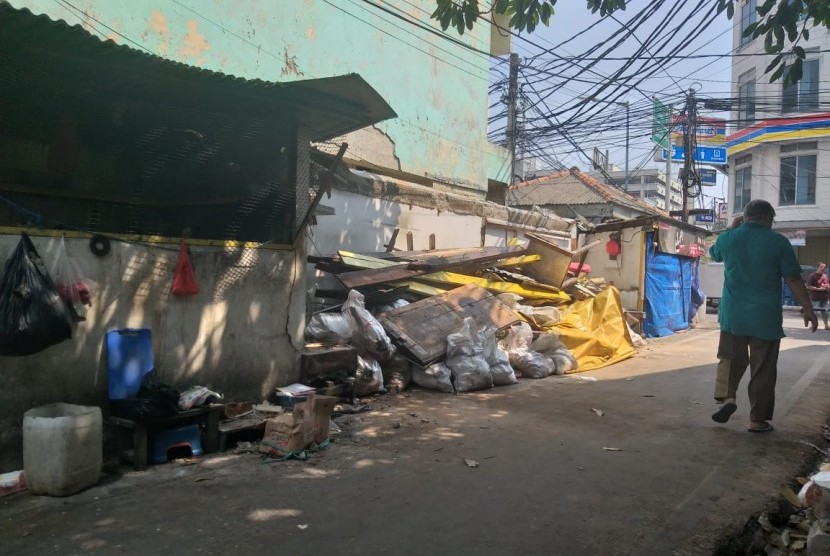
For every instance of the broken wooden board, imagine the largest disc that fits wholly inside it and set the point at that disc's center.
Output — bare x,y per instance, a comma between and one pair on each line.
407,270
421,328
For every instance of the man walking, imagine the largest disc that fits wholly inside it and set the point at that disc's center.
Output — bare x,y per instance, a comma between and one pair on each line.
755,260
817,286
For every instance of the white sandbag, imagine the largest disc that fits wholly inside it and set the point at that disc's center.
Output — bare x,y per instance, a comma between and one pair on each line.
565,361
547,343
397,374
532,364
465,358
368,336
498,360
368,378
434,377
397,304
330,328
542,316
520,336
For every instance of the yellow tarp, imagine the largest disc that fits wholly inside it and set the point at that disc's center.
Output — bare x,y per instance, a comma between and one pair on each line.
594,331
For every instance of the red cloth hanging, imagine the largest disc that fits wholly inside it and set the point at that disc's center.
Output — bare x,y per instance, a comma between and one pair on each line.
184,281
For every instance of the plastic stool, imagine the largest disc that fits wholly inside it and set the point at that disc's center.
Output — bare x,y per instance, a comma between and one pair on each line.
187,436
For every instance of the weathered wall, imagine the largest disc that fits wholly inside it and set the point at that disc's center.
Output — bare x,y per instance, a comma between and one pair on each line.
438,88
626,271
240,335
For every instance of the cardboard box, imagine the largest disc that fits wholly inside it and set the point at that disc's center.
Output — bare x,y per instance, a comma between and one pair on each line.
293,432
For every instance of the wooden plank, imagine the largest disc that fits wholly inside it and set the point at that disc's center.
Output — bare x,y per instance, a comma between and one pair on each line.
403,271
421,328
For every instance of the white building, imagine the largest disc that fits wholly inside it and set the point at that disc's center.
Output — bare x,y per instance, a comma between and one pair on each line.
779,144
649,184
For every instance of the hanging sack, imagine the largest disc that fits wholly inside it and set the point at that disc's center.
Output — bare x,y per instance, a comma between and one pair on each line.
184,281
71,285
32,314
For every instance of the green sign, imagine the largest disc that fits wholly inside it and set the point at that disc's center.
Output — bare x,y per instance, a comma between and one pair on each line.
660,124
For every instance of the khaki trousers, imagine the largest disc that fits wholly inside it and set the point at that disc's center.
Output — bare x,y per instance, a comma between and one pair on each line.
734,354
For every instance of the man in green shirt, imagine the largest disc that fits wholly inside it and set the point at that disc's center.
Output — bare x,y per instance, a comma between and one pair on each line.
755,260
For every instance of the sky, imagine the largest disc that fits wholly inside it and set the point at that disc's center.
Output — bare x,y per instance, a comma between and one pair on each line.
602,124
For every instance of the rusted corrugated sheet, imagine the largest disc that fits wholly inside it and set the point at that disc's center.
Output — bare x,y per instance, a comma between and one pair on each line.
324,107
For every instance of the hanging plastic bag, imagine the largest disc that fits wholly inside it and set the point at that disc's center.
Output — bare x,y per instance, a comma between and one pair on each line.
32,314
184,281
70,283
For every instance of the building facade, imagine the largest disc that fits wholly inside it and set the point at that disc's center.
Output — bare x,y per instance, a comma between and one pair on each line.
780,138
649,184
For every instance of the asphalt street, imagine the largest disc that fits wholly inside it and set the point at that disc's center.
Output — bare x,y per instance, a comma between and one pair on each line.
622,460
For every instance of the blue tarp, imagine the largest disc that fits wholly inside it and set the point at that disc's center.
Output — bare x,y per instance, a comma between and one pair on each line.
669,301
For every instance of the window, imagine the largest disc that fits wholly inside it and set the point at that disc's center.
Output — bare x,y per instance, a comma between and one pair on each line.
748,17
743,187
798,175
802,96
746,99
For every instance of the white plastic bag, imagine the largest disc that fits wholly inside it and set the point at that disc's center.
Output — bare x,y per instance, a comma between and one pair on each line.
498,360
434,377
465,357
196,396
330,328
368,336
368,378
520,336
70,283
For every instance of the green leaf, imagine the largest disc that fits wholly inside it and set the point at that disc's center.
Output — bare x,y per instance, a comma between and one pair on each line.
775,62
799,51
806,34
796,71
778,73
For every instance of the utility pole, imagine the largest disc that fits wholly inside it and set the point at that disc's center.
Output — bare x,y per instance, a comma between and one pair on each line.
689,176
512,128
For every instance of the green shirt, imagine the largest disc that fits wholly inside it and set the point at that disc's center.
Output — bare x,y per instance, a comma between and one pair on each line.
755,259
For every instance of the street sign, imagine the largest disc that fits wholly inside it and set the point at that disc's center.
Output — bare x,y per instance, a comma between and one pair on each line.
709,131
708,217
660,124
723,211
708,176
706,155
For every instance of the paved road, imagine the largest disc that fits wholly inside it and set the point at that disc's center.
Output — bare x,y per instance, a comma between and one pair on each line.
546,482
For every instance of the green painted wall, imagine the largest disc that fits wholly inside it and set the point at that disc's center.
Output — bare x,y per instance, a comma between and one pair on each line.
438,89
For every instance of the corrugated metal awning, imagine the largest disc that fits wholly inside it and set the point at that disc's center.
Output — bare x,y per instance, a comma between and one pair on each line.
35,48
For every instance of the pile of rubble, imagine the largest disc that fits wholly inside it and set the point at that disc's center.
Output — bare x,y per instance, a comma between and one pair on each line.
453,320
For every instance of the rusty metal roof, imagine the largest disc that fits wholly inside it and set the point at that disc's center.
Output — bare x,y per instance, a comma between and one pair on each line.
36,49
573,187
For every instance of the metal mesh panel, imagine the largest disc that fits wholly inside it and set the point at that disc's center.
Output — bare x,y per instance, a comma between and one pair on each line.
305,194
136,165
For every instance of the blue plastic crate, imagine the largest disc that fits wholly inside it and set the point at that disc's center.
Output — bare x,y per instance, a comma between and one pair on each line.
163,441
129,358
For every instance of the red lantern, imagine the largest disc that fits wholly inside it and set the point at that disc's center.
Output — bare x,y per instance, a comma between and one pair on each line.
612,248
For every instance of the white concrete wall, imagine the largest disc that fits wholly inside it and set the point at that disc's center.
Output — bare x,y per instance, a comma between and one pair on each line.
625,271
240,335
364,224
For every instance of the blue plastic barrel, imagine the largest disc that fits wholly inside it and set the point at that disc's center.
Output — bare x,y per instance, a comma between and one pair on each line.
129,358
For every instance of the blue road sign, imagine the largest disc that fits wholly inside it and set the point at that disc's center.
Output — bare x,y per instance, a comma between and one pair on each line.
706,155
705,217
708,176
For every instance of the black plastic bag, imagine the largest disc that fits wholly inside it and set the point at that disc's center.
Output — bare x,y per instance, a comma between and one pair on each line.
32,314
153,402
